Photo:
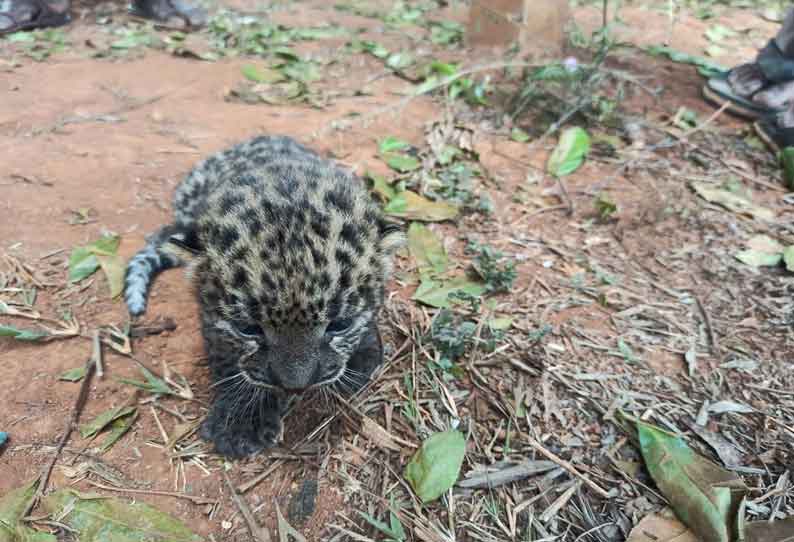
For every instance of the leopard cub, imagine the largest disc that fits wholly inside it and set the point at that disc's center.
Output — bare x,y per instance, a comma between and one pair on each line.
289,255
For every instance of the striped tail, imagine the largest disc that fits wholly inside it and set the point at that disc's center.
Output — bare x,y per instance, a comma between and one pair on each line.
146,265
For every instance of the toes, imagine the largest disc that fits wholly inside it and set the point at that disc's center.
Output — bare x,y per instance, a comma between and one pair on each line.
747,79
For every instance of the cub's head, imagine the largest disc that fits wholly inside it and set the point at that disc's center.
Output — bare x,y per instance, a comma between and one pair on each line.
296,276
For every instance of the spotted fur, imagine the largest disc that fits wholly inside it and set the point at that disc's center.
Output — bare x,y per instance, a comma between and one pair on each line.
290,257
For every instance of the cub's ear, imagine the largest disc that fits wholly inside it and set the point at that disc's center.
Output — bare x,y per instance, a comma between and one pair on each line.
392,236
184,244
186,240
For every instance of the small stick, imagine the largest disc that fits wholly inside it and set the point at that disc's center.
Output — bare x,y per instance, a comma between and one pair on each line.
97,355
566,195
192,498
259,533
715,347
82,397
570,468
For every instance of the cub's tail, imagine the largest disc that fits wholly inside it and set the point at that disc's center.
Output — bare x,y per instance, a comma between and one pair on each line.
147,264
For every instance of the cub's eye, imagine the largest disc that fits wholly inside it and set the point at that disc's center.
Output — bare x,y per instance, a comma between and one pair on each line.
338,326
251,330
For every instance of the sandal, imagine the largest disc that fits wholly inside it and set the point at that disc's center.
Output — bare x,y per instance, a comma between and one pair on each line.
29,15
774,68
164,12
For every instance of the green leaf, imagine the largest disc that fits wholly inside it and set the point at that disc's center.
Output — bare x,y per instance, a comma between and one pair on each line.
84,261
500,324
737,203
379,525
788,258
266,75
152,384
22,334
412,206
401,162
426,249
320,32
517,134
436,292
118,428
704,496
381,186
305,72
569,153
399,61
95,518
392,144
12,506
113,267
787,159
605,207
762,251
707,67
436,465
756,258
99,423
73,375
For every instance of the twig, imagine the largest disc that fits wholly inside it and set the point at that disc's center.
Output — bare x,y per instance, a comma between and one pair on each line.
79,404
192,498
706,122
565,195
715,347
570,468
259,533
97,356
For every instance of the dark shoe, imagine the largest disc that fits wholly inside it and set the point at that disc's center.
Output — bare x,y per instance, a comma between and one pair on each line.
175,14
739,86
16,15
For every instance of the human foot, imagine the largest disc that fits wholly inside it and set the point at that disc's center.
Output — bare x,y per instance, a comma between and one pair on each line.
758,89
16,15
171,13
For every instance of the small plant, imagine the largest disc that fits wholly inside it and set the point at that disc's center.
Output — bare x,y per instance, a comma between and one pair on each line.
605,207
394,531
451,337
498,275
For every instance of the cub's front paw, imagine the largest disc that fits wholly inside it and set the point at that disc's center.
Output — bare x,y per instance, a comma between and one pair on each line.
240,438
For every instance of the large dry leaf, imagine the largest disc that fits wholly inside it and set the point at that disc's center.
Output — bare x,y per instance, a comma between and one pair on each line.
436,292
435,467
412,206
95,518
732,201
12,506
426,249
661,527
705,497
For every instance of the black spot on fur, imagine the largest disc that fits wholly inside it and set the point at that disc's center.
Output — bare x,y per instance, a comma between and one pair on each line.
228,237
344,259
229,202
267,281
240,278
324,280
340,200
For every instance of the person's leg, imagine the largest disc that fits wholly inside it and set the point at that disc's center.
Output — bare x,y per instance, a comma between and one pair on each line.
769,81
16,15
